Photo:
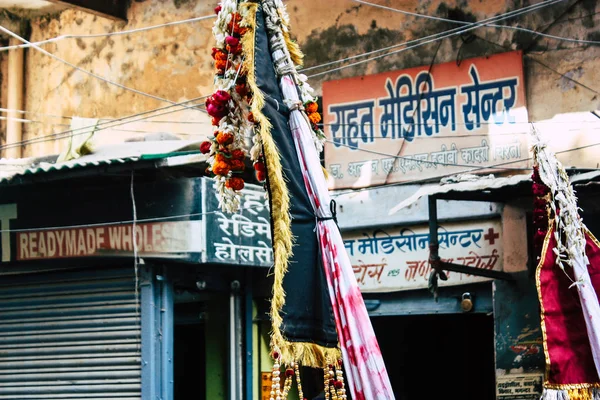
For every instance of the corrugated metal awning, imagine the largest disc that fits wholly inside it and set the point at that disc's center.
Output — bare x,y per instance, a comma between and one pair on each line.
169,153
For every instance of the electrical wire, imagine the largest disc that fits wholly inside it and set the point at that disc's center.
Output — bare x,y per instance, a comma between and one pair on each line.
124,222
431,38
101,78
100,126
433,179
108,34
517,28
410,158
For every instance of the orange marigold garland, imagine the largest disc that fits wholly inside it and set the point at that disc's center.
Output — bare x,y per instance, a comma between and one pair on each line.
229,107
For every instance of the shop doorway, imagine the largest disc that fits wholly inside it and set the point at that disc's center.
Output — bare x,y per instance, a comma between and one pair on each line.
189,352
439,356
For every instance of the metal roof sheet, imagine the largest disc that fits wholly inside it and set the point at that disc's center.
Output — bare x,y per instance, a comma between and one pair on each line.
106,155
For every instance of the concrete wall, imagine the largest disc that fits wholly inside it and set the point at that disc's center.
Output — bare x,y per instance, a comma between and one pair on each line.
174,63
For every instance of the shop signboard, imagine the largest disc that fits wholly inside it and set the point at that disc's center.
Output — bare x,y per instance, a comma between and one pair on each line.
395,259
426,122
176,219
241,238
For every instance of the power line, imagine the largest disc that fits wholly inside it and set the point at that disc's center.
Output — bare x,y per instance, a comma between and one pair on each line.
430,38
108,34
435,178
529,56
101,78
453,21
408,158
99,127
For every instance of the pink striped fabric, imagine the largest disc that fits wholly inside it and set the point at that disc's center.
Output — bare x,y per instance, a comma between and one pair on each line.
366,374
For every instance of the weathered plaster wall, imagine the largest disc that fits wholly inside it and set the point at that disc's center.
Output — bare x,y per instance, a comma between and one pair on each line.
174,62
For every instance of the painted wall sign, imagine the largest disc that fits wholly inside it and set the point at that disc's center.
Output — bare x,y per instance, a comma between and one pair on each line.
395,259
520,361
243,237
157,238
521,386
414,124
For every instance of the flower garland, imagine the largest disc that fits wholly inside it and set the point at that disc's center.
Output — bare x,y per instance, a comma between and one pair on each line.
541,211
229,107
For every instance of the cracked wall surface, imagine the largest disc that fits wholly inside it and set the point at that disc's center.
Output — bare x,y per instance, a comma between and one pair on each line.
174,62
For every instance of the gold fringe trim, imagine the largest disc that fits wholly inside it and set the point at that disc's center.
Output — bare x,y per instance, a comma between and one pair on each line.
538,271
580,394
571,386
308,354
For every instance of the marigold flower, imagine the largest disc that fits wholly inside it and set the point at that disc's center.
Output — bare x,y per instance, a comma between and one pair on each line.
221,157
312,107
220,64
235,183
224,138
221,168
315,117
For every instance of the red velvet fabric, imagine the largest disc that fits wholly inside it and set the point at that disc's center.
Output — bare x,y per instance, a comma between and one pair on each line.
566,337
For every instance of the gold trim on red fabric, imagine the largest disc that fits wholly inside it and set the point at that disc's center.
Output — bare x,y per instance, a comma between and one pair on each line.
547,385
538,270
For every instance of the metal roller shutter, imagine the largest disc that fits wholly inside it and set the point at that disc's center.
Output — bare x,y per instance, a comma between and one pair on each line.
70,335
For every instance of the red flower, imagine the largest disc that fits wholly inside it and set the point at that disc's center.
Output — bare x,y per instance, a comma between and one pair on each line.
205,147
539,189
216,110
536,174
540,202
218,9
261,176
238,154
232,41
221,96
259,166
338,384
242,90
234,183
216,120
237,165
289,372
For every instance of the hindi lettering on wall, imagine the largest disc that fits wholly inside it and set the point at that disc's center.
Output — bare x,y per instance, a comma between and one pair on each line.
415,124
394,259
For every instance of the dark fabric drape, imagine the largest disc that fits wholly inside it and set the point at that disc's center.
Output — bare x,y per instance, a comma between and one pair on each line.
307,314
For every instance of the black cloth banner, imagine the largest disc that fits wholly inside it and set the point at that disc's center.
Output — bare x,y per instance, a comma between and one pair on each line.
307,313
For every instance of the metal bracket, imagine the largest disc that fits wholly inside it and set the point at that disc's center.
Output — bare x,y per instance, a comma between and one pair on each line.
439,266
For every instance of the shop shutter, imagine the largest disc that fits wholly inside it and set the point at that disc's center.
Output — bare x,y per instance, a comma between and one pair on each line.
70,335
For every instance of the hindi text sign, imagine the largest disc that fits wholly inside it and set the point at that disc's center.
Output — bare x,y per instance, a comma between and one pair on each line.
414,124
394,259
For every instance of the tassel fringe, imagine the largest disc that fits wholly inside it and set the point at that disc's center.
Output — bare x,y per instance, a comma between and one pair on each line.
577,393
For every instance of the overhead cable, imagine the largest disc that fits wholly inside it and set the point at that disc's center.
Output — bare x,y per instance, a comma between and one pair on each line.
101,78
107,34
431,38
453,21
